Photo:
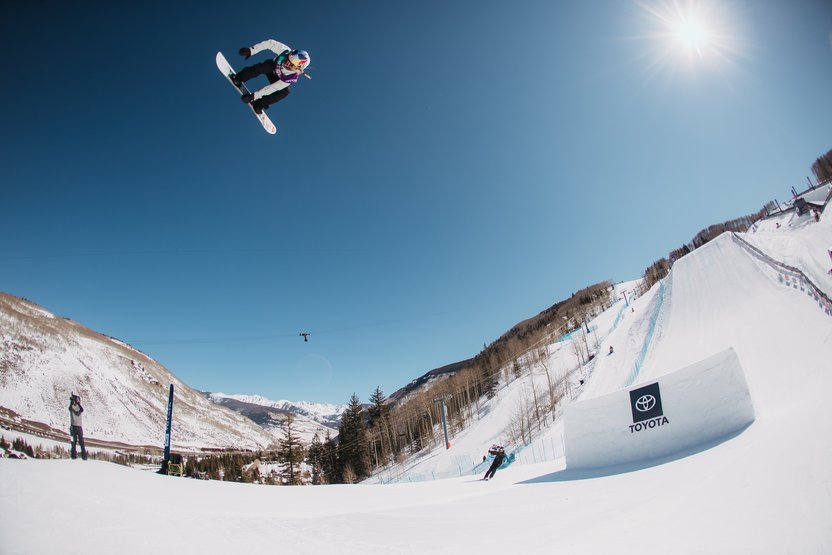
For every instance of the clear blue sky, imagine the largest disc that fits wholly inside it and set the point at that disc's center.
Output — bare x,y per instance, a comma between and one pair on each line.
452,169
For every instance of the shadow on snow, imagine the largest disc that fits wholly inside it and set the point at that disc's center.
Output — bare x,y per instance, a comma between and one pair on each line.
568,475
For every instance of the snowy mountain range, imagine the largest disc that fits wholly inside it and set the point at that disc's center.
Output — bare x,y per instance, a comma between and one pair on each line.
310,418
45,358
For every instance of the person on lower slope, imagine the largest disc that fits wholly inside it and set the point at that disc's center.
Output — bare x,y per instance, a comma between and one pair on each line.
499,456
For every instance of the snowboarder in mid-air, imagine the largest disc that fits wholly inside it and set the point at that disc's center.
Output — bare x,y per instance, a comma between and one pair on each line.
285,69
499,456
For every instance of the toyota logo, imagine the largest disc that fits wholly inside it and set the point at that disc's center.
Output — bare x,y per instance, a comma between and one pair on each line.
645,403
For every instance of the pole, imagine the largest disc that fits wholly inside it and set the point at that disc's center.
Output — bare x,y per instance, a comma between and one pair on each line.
441,401
167,428
445,425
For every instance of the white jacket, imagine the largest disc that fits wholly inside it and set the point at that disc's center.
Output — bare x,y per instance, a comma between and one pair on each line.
278,48
75,411
269,44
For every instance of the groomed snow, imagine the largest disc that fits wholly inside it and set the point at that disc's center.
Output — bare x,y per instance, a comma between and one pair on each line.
766,489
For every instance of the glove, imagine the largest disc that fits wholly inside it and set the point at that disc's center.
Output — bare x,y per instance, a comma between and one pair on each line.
245,52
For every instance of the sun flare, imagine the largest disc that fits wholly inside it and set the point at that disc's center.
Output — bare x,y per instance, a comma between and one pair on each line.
692,34
698,32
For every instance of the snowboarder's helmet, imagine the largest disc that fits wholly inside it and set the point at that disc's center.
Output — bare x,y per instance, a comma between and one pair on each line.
297,60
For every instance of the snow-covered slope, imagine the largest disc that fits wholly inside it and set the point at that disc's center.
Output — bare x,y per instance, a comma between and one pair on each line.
717,297
44,358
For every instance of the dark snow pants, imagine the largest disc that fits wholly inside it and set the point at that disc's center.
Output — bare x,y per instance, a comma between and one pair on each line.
78,437
492,469
263,68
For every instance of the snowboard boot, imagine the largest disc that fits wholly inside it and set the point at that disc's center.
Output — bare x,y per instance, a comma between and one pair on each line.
258,106
247,98
236,80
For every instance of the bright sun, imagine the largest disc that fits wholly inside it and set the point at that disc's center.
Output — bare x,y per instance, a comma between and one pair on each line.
690,34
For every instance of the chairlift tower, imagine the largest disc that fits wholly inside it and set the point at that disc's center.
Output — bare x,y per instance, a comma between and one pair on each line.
441,401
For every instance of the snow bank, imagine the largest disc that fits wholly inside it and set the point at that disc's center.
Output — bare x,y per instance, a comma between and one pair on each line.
682,410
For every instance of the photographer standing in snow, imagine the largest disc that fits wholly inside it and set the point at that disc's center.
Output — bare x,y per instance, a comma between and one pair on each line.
76,429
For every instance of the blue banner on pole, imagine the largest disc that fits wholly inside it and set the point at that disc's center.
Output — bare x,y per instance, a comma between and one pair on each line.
167,428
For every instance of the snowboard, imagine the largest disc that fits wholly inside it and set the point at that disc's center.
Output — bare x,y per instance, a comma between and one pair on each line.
226,69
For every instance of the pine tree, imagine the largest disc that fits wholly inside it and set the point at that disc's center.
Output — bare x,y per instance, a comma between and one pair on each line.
352,442
379,409
290,454
329,461
380,424
315,459
19,444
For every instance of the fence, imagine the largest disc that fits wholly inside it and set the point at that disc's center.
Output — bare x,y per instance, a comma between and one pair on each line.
465,466
542,450
789,275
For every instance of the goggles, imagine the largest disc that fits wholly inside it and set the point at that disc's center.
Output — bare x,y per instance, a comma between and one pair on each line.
295,63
